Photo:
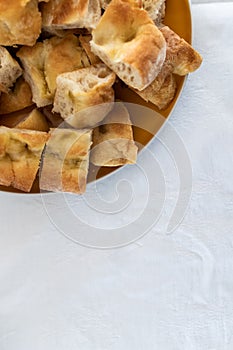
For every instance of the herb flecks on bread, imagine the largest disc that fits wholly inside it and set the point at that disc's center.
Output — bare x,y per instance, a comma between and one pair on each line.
66,161
20,154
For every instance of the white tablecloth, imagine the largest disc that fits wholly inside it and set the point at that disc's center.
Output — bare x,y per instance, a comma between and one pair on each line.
165,291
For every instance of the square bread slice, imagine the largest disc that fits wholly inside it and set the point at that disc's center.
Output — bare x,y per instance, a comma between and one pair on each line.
46,60
129,43
20,154
20,22
19,97
10,70
63,14
66,161
113,142
84,97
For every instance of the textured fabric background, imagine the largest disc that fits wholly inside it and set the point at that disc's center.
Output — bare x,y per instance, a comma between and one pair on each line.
163,292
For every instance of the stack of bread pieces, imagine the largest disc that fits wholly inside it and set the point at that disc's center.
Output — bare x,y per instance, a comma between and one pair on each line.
59,61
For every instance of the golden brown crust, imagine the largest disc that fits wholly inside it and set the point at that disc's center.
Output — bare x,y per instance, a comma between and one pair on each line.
30,119
20,22
129,43
20,152
113,143
10,120
34,121
181,59
154,8
45,61
18,98
181,55
63,14
163,96
66,161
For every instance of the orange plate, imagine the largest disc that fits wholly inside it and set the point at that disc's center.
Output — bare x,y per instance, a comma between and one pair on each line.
178,17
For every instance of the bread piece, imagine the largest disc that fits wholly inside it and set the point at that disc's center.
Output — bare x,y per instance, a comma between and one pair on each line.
46,60
29,118
84,97
85,43
181,59
163,96
66,161
18,98
20,153
129,43
113,143
154,8
63,14
20,22
34,121
10,70
181,55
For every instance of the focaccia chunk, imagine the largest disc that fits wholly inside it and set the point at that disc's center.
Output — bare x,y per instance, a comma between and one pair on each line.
181,59
16,99
163,96
84,97
63,14
46,60
10,70
20,22
127,41
66,161
20,153
113,142
154,8
35,120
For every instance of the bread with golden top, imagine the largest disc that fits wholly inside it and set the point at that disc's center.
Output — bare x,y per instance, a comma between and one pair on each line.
63,14
66,161
43,62
19,97
20,22
20,154
128,42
